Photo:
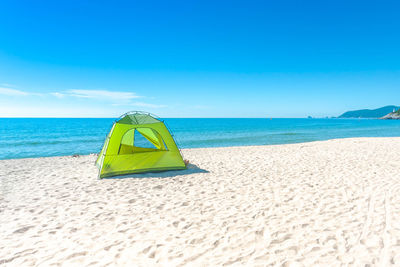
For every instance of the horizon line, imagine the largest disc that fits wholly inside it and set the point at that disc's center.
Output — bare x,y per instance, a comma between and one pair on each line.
325,117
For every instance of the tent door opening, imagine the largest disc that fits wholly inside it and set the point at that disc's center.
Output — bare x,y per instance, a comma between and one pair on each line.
142,139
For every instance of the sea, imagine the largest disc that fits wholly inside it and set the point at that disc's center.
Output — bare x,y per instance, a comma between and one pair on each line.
47,137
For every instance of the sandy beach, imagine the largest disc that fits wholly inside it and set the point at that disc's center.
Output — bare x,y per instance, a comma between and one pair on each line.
321,203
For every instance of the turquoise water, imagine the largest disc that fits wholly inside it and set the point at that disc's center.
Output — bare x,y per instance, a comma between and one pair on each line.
23,138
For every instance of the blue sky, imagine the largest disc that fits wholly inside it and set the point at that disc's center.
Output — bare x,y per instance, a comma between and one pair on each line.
197,58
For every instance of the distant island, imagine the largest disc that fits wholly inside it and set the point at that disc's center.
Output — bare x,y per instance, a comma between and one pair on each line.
371,113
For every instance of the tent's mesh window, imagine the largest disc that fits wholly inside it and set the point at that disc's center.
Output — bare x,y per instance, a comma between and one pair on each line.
141,140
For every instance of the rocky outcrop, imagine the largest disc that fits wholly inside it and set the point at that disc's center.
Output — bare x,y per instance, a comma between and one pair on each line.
392,116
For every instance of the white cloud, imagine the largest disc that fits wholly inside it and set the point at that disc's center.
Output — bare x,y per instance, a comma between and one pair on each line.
58,95
7,85
102,94
12,92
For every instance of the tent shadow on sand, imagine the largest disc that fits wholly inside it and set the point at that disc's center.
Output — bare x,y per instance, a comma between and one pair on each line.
191,169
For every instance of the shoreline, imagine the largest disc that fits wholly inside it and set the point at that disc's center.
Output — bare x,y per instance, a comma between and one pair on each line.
194,148
317,203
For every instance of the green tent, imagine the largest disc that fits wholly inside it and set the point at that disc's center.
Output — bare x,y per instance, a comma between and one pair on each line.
137,143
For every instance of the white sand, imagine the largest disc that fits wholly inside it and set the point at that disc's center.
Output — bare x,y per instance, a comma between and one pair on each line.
322,203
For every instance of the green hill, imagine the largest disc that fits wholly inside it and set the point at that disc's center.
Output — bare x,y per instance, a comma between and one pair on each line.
369,113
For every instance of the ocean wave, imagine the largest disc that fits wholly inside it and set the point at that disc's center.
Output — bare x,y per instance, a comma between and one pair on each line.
47,142
287,134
